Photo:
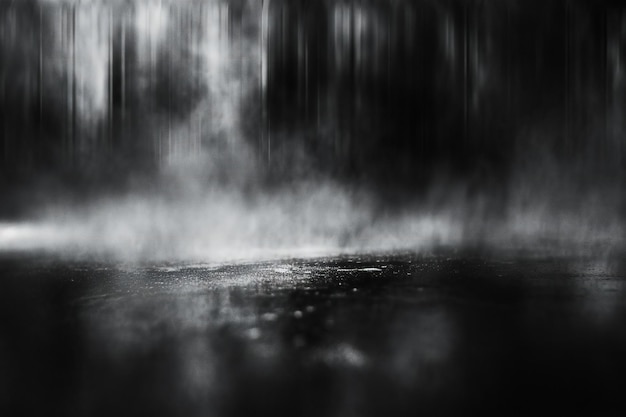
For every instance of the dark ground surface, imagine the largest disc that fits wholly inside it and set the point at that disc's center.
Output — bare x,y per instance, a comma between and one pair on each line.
352,336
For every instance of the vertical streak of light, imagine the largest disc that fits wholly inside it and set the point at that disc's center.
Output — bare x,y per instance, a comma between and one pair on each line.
604,73
352,45
391,38
188,36
318,92
169,93
62,36
299,63
240,66
227,22
110,83
68,80
74,95
617,88
390,33
3,133
227,53
40,69
79,99
195,40
306,80
466,63
204,19
356,36
264,41
357,18
123,65
475,63
620,143
152,70
508,66
567,74
202,35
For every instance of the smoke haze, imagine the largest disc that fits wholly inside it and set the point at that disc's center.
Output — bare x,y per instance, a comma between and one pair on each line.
238,129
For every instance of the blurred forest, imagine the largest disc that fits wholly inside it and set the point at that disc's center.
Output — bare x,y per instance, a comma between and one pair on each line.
386,94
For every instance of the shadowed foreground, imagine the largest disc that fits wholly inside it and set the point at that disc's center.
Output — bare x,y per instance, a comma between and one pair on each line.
350,336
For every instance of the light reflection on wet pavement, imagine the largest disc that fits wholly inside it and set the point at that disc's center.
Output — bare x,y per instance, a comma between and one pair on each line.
387,335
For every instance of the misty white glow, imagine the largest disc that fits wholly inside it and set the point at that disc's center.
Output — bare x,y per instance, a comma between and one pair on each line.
318,219
151,20
225,225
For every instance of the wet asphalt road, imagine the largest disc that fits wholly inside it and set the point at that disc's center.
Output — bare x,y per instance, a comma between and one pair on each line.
351,336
